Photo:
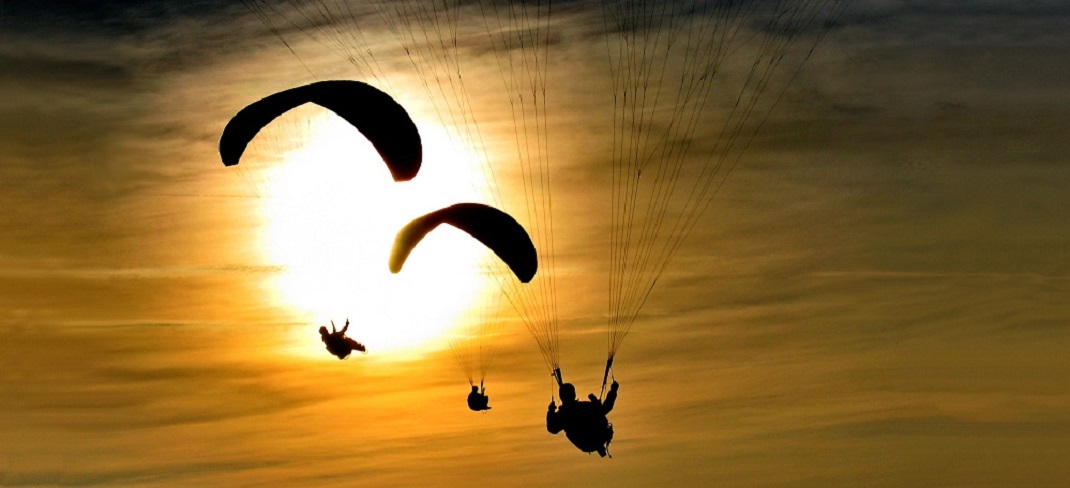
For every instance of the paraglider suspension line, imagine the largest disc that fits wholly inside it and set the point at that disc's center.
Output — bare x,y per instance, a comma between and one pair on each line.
605,376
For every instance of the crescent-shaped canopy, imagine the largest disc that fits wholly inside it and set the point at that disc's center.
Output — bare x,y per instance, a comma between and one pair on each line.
497,230
375,114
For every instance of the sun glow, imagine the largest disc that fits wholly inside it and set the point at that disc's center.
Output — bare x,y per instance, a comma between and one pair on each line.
331,211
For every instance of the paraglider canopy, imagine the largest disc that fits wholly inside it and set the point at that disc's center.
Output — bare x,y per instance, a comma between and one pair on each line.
497,230
375,114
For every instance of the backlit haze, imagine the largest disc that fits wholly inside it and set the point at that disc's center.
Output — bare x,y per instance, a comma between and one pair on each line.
876,297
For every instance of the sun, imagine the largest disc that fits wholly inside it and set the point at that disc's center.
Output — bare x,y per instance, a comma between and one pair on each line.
331,211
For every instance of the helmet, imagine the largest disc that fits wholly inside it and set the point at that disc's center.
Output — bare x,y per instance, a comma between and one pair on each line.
567,392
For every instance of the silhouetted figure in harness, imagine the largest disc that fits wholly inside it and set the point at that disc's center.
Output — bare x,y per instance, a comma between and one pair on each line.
337,342
585,423
478,399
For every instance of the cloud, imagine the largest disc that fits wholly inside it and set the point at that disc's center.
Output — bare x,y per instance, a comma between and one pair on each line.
134,273
27,70
117,17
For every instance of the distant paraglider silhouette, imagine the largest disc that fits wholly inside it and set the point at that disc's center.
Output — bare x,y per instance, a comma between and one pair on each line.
375,114
495,229
337,342
478,399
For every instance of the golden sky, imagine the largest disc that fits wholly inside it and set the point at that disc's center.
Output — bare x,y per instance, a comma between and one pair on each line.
876,296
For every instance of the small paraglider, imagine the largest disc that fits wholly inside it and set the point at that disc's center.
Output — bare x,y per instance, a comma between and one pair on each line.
478,399
496,230
337,342
584,422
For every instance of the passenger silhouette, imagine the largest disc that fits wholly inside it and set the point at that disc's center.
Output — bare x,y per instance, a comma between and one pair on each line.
585,423
478,399
337,342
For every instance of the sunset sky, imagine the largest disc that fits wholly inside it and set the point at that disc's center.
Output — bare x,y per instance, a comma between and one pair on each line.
877,296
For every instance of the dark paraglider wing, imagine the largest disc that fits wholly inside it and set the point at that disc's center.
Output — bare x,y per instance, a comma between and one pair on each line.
375,114
497,230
